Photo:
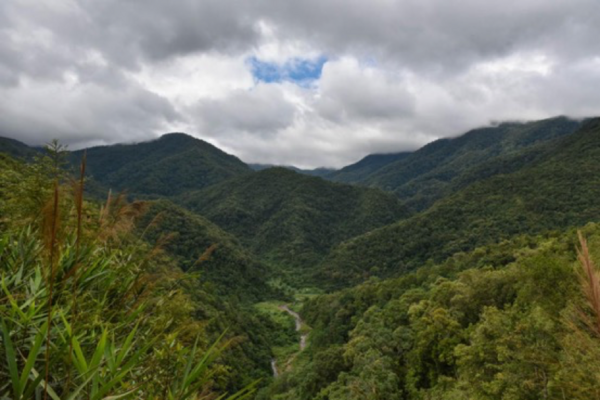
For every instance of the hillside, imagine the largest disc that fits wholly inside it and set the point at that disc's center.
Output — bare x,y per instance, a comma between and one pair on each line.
363,169
291,219
561,188
322,172
200,246
167,166
495,323
14,148
437,169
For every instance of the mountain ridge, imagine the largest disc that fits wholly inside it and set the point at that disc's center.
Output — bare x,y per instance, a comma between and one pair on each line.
559,190
291,218
428,174
166,166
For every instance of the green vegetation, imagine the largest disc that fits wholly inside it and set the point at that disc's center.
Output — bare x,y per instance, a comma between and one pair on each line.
88,310
167,166
516,320
199,245
485,292
16,149
286,343
292,220
363,169
557,191
322,172
442,167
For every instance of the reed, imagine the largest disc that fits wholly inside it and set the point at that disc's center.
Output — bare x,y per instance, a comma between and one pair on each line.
51,275
590,285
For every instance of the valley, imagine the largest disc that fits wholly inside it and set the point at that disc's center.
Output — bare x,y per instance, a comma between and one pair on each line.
300,200
301,330
382,276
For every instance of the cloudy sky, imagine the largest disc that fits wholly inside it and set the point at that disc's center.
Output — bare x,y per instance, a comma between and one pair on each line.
304,82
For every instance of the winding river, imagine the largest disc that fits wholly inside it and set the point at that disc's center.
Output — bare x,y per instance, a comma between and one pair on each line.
303,336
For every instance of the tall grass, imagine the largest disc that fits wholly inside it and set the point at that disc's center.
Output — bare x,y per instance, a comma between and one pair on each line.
579,371
590,285
78,321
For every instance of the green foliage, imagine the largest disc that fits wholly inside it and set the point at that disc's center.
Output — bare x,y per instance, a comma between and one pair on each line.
25,188
167,166
446,165
363,169
292,220
285,340
16,149
556,192
495,323
200,246
100,332
88,310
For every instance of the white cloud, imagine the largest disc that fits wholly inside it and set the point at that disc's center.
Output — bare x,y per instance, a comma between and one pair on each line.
262,111
399,73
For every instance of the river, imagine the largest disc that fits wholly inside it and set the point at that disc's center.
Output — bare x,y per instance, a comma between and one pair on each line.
303,336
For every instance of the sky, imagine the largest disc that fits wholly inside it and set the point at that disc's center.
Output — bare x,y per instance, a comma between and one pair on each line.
307,83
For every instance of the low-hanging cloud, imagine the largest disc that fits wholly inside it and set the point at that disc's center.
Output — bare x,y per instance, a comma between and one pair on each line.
381,76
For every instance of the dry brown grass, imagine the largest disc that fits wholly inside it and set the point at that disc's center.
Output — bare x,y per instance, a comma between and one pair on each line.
590,285
118,217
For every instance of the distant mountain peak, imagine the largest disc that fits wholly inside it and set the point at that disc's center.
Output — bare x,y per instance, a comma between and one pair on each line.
180,137
172,135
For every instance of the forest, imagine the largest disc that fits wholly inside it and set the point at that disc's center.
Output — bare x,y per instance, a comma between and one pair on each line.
169,269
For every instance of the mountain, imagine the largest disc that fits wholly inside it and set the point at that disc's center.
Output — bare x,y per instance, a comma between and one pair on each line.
17,149
201,246
322,172
435,170
358,172
167,166
558,189
477,326
290,219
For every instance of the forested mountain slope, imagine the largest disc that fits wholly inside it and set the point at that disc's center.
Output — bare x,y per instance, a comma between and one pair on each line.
363,169
430,173
201,246
17,149
561,188
292,219
506,321
167,166
322,172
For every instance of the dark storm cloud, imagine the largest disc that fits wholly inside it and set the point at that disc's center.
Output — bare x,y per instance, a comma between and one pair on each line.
443,35
126,32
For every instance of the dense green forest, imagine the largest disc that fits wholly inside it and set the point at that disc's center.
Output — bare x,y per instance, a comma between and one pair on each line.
167,166
322,172
293,220
201,246
361,170
439,168
516,320
556,191
463,270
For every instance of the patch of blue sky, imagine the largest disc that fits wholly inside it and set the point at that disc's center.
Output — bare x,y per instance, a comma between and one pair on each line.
301,71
